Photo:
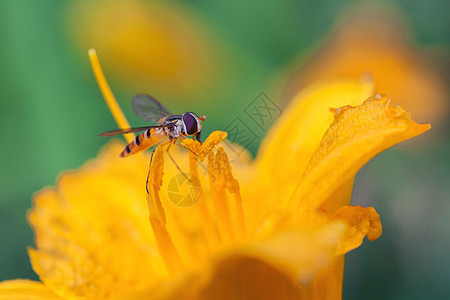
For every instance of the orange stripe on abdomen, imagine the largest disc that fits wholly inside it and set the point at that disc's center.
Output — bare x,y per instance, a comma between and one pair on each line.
145,140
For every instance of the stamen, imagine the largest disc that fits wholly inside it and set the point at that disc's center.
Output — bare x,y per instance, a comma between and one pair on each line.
221,180
157,217
155,183
108,95
203,150
240,214
220,203
211,142
208,225
166,248
233,187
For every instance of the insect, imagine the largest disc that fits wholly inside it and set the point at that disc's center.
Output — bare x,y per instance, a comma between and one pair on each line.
171,126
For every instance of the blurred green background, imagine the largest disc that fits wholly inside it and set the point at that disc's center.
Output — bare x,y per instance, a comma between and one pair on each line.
214,57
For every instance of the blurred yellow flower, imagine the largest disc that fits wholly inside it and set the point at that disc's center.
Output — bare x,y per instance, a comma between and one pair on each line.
375,43
153,45
274,228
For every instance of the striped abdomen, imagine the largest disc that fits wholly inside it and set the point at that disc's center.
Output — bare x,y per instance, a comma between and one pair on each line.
145,140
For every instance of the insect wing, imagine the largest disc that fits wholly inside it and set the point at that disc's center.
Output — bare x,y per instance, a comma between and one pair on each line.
148,108
130,130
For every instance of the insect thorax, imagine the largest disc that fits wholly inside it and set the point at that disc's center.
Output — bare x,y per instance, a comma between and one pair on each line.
178,129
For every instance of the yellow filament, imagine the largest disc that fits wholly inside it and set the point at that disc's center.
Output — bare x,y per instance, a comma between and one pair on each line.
108,95
240,214
234,188
220,199
208,224
166,248
157,217
222,214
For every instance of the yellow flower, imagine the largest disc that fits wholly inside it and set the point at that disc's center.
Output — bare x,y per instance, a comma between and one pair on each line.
158,45
373,41
274,228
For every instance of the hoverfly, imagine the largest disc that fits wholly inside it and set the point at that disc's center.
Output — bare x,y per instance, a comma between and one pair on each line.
169,126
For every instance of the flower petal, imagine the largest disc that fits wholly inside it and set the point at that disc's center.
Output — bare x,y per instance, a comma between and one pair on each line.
286,150
25,289
356,135
92,233
243,277
293,265
288,147
300,264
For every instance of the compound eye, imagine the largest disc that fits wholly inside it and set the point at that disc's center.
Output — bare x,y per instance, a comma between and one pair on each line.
190,122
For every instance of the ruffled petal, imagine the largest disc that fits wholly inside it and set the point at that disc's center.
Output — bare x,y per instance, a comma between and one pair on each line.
25,290
288,147
92,233
356,135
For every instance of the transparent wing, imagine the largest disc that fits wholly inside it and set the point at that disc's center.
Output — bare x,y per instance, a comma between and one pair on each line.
148,108
130,130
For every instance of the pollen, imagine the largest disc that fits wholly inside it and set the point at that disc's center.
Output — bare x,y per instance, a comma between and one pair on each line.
154,185
210,143
156,169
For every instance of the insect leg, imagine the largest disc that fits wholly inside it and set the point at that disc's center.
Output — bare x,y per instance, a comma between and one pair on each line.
173,160
198,137
148,174
186,149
